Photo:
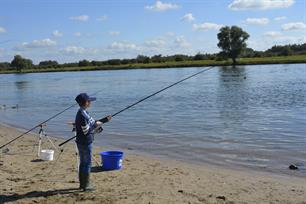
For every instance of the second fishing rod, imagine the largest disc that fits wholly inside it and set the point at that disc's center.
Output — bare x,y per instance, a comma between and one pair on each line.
147,97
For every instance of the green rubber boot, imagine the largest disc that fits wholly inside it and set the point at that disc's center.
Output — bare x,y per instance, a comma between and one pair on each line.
81,179
87,186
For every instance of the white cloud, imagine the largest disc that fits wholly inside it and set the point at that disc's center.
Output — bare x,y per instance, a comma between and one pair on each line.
277,38
2,30
114,33
39,43
294,26
207,26
181,42
77,50
257,21
102,18
284,40
56,33
160,44
160,6
123,46
74,50
169,34
280,18
165,45
272,34
82,18
188,17
260,4
155,43
268,42
77,34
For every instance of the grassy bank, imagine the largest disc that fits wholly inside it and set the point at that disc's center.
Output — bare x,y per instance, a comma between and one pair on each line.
198,63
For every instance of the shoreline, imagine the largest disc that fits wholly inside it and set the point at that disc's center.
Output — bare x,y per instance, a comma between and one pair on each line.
142,179
233,167
301,59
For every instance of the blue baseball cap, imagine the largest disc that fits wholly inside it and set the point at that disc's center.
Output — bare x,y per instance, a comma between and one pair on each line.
83,97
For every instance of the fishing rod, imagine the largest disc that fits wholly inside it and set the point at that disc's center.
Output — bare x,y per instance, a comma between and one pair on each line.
147,97
42,123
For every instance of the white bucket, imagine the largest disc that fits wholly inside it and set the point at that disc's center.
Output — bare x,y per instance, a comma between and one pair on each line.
47,154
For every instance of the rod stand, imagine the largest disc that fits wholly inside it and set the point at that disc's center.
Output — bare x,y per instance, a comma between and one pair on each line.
41,135
76,148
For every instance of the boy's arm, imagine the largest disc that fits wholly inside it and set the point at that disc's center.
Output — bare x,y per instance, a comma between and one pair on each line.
85,125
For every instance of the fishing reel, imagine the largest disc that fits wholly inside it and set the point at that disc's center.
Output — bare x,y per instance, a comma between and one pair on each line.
98,129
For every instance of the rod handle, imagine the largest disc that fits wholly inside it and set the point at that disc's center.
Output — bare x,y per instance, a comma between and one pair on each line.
66,141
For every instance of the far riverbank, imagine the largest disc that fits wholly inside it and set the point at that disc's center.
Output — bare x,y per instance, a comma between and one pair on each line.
173,64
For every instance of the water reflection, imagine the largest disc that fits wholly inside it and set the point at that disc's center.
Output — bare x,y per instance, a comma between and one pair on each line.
232,95
21,85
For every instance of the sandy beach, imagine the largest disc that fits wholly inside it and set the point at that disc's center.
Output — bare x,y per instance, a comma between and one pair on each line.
143,179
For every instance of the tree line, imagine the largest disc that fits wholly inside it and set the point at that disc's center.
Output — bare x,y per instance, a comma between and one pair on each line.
232,42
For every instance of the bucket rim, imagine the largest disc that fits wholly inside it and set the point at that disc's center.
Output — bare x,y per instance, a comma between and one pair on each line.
111,153
47,151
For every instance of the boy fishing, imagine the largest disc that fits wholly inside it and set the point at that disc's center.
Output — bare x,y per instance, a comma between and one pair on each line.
85,126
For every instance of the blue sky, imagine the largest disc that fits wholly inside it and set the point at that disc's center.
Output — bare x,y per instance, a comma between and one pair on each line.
72,30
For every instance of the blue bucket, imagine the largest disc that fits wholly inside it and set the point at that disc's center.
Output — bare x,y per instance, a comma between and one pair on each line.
111,160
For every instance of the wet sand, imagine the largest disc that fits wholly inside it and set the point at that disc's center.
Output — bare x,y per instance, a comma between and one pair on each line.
143,179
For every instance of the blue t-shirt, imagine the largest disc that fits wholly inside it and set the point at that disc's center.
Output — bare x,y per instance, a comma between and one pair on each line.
85,126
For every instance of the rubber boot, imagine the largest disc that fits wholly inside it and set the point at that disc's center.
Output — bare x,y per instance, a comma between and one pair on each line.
87,186
81,179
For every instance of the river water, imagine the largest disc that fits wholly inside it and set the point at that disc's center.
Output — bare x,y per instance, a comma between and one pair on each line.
248,116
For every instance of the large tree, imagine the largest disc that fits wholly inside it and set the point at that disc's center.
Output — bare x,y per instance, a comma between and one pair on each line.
232,41
19,63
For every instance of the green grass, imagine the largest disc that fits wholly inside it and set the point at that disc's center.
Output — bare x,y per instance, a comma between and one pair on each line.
199,63
274,60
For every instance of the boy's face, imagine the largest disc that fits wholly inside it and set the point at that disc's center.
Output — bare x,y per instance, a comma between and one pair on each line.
87,104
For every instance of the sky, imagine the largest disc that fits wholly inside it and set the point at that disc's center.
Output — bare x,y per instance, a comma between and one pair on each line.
72,30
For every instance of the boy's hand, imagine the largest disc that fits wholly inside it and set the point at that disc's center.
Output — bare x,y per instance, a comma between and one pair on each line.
98,123
106,119
109,118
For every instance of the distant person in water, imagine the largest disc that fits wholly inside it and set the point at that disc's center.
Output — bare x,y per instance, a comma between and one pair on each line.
85,126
